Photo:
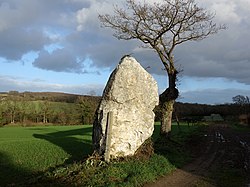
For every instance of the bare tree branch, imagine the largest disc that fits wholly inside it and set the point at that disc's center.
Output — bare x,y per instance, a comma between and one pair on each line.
162,26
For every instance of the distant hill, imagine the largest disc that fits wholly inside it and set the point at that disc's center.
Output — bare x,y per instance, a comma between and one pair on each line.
47,96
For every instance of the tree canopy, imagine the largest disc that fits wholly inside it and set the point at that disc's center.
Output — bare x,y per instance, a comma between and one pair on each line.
241,100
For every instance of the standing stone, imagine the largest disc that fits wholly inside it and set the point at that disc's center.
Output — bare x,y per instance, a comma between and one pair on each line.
131,94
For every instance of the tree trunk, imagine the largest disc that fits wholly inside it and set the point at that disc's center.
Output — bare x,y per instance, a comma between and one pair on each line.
166,121
12,117
167,100
45,117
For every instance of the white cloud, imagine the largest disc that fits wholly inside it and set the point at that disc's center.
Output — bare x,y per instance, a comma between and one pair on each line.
229,11
8,83
87,18
244,7
226,12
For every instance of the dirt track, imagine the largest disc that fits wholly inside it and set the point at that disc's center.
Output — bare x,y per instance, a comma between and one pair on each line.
222,148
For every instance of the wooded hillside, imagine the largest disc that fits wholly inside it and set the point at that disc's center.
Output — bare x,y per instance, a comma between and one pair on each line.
70,109
47,107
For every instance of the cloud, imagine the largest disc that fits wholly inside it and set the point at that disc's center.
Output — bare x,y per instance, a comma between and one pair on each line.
27,25
15,43
226,12
220,56
211,96
30,25
60,60
223,55
19,84
87,17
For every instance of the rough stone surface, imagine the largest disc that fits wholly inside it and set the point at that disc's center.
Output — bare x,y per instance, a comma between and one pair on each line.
131,94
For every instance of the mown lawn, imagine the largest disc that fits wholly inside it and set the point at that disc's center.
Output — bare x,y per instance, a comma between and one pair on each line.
56,154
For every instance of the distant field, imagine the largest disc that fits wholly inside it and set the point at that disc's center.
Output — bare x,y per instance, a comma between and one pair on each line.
24,151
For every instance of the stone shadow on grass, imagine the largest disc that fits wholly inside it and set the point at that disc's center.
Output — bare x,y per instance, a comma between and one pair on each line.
10,174
78,149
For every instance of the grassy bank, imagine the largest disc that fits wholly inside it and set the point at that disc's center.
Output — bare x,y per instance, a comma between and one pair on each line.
55,155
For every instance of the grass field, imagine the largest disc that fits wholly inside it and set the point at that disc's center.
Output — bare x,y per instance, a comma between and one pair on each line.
28,151
24,151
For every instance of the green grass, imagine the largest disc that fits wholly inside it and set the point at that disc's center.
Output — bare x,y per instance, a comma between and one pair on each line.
175,149
132,172
55,154
25,151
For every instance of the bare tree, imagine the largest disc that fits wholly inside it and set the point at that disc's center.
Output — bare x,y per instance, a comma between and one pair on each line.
241,100
161,27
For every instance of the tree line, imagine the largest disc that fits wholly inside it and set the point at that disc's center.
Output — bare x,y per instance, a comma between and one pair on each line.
31,108
15,108
230,111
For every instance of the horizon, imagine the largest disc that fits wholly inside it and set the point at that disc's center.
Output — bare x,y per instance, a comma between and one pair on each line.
94,95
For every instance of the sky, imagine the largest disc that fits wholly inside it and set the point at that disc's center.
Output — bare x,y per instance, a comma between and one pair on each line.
60,46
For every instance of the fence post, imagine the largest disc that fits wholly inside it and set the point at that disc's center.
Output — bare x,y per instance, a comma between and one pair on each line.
108,136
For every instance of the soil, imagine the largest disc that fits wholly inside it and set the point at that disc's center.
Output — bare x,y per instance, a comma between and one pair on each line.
222,149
